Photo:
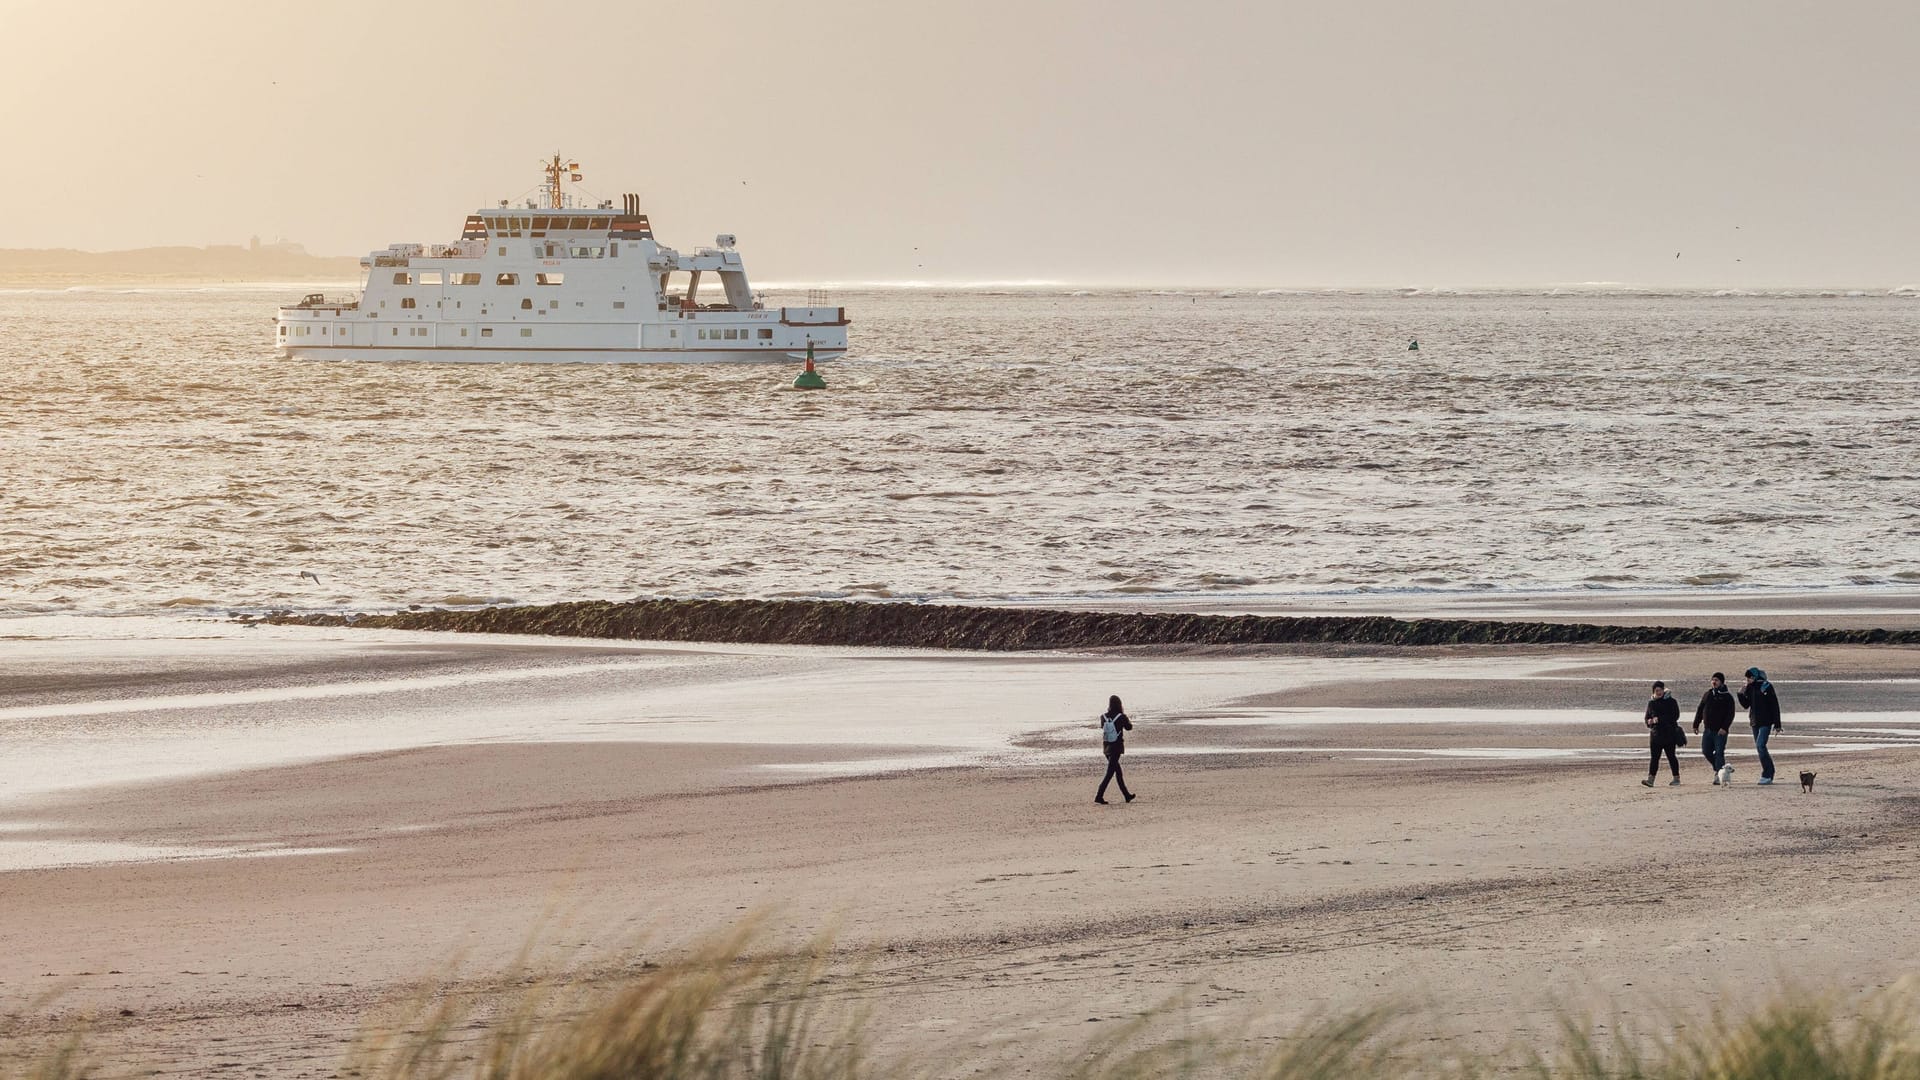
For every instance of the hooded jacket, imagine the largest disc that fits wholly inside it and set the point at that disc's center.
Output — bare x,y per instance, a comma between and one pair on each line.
1716,709
1664,711
1760,701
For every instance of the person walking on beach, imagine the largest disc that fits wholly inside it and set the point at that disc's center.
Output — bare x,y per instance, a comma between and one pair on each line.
1716,710
1763,713
1663,733
1114,726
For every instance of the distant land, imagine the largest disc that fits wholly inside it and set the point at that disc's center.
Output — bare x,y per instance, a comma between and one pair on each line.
173,265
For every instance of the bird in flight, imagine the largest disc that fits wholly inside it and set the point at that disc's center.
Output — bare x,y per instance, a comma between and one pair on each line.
310,574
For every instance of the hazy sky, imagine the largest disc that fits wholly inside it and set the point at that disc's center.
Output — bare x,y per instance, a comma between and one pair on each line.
1274,143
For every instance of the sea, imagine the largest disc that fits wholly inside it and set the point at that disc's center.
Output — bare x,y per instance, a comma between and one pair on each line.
979,444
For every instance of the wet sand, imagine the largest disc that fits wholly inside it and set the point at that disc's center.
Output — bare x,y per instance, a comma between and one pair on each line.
1462,825
1838,609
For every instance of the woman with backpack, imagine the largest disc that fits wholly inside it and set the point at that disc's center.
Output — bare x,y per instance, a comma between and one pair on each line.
1113,728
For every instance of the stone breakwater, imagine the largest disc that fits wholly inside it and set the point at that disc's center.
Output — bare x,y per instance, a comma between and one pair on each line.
942,626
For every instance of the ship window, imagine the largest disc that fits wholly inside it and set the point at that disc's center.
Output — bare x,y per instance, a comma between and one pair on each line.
429,278
406,302
553,303
486,331
675,332
503,251
463,331
526,331
550,279
613,251
401,279
507,279
396,332
619,304
766,333
544,223
468,279
283,331
579,303
526,304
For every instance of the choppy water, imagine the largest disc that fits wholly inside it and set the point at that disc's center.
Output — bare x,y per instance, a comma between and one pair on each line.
976,445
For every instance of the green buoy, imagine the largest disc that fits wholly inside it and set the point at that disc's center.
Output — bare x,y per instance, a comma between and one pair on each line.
1414,345
809,379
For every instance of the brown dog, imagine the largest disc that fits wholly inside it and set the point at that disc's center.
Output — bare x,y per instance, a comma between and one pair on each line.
1806,781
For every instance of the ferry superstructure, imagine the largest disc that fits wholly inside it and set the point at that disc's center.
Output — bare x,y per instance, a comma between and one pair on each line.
552,282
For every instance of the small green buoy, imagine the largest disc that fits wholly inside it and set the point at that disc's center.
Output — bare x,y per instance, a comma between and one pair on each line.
1414,345
809,379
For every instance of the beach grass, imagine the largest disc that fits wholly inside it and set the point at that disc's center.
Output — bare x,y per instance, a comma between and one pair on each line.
723,1014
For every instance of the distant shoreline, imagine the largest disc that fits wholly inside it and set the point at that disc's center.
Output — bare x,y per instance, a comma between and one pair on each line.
70,282
218,264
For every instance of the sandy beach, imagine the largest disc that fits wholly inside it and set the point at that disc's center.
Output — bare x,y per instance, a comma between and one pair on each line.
234,847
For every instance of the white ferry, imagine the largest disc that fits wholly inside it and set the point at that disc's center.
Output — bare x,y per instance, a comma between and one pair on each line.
556,283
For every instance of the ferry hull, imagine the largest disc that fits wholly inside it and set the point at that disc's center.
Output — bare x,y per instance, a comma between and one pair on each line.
443,355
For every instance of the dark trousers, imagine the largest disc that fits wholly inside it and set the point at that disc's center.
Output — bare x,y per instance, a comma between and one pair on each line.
1653,767
1713,747
1113,774
1760,735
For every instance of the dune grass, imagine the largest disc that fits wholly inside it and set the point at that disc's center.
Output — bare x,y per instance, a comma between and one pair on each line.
720,1014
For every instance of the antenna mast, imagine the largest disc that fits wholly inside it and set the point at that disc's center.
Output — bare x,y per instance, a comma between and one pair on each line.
556,169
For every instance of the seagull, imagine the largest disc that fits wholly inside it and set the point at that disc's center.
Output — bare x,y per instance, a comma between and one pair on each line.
310,574
1676,254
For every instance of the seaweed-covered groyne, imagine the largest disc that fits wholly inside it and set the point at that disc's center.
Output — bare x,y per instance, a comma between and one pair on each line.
941,626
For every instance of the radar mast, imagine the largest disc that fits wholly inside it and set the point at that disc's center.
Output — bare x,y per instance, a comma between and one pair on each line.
559,168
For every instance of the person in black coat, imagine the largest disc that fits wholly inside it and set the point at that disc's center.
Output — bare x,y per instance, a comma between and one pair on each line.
1663,733
1763,715
1114,726
1716,710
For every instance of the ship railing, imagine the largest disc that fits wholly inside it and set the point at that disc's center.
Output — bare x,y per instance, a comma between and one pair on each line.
463,250
319,302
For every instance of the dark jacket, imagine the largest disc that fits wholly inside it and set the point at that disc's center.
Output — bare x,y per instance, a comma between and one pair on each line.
1762,705
1118,746
1716,708
1664,711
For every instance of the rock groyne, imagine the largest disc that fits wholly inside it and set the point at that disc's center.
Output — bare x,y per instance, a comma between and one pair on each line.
944,626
